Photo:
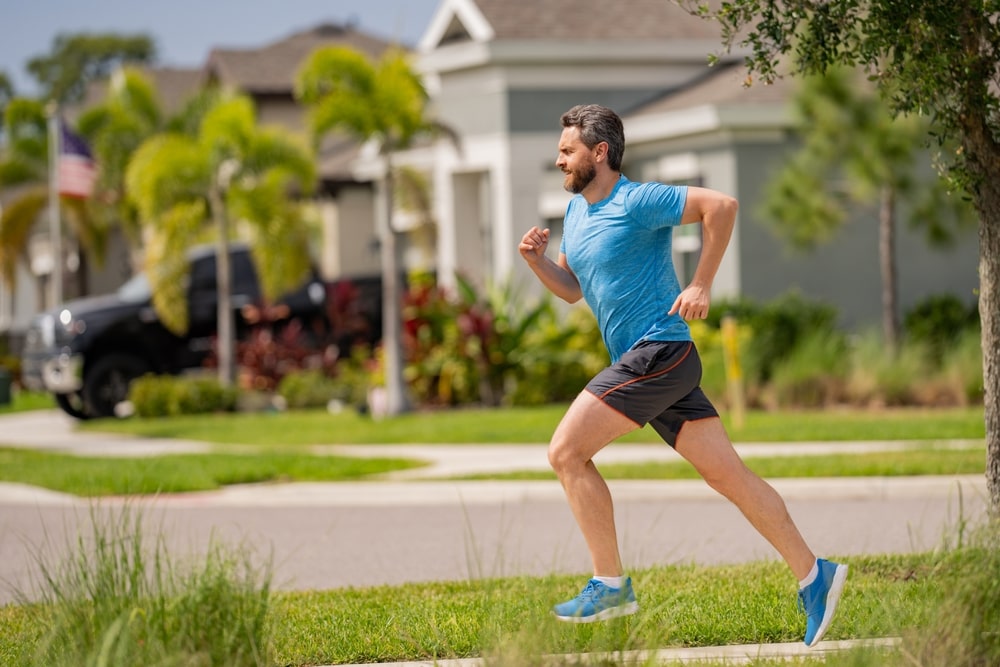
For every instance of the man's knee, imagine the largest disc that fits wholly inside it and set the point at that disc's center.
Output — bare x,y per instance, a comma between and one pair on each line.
561,455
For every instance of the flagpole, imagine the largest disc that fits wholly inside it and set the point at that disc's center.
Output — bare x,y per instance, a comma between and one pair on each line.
55,225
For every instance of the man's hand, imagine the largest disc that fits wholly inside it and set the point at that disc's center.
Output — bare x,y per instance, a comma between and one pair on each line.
533,244
692,303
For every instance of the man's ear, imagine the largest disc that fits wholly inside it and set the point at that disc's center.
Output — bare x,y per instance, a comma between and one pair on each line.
601,151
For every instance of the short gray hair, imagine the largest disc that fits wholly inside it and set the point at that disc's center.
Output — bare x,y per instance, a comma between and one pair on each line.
597,124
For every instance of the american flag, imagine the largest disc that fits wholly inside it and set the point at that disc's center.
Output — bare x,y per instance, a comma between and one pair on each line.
75,168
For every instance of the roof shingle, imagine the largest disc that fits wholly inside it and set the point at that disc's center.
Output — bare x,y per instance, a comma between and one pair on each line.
272,68
594,19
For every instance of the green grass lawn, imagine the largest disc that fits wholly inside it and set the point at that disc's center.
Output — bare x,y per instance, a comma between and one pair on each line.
177,473
535,425
508,621
23,401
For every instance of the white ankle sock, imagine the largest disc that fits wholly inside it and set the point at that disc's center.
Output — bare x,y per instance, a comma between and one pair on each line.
611,582
811,577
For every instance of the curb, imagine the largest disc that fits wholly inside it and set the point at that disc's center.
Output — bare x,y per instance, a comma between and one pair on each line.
741,654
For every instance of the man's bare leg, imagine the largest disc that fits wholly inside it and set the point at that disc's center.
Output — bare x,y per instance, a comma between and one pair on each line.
585,429
705,444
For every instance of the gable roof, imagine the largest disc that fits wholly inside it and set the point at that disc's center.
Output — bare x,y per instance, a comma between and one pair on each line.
722,85
573,20
271,69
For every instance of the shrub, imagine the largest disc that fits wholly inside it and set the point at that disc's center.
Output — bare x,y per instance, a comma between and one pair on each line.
938,320
814,372
168,395
714,379
778,326
310,389
557,358
877,378
464,347
961,368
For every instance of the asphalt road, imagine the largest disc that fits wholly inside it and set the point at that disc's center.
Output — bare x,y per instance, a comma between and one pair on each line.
322,536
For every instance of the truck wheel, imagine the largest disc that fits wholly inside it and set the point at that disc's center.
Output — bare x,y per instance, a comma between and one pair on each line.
106,383
73,405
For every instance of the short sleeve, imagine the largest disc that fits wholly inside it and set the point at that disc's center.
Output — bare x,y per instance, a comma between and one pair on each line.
656,205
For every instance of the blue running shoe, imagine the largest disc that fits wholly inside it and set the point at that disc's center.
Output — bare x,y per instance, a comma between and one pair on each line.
819,599
598,602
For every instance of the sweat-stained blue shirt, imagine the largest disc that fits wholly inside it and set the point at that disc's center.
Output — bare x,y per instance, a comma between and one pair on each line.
619,249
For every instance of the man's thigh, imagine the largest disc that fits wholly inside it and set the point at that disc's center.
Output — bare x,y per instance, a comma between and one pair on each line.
588,425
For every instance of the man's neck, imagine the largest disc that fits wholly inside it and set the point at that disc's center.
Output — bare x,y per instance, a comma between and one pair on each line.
601,187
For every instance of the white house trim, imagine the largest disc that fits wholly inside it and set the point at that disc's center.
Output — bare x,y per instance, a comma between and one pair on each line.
450,11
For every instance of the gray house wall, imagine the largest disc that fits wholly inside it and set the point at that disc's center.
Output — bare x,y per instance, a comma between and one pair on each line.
843,272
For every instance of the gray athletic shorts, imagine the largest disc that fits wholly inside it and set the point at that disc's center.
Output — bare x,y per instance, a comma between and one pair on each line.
656,383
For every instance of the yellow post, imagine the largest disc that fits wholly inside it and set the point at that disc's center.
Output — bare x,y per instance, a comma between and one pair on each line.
734,374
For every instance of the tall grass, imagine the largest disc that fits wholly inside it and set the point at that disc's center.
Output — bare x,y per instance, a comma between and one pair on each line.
965,628
119,600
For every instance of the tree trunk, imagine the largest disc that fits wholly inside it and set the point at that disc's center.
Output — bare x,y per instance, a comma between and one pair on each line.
985,164
223,282
397,401
989,314
887,262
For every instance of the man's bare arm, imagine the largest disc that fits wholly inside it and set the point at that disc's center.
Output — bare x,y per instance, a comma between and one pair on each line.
717,214
556,276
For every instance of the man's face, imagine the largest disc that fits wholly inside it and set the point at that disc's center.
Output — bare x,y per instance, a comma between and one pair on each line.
576,161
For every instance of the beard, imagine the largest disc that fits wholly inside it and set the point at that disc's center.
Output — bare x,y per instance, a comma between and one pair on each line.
578,179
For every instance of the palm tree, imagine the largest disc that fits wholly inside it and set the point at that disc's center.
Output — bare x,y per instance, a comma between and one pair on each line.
129,114
383,102
232,178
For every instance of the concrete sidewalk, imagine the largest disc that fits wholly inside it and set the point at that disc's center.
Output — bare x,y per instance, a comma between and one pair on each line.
729,655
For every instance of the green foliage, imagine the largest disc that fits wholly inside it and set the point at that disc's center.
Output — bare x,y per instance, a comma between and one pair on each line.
346,92
777,327
77,59
169,396
878,379
249,172
6,91
27,139
559,355
854,149
466,348
938,320
962,368
17,222
814,372
310,389
963,628
120,599
129,114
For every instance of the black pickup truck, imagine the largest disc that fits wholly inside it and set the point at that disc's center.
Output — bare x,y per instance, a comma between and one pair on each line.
86,352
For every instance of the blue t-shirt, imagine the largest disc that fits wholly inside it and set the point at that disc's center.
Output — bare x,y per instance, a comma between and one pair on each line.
619,249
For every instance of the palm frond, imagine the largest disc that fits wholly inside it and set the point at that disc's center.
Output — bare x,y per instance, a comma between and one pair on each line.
166,261
16,223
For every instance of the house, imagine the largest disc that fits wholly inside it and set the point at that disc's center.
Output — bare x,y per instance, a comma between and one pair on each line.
501,72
